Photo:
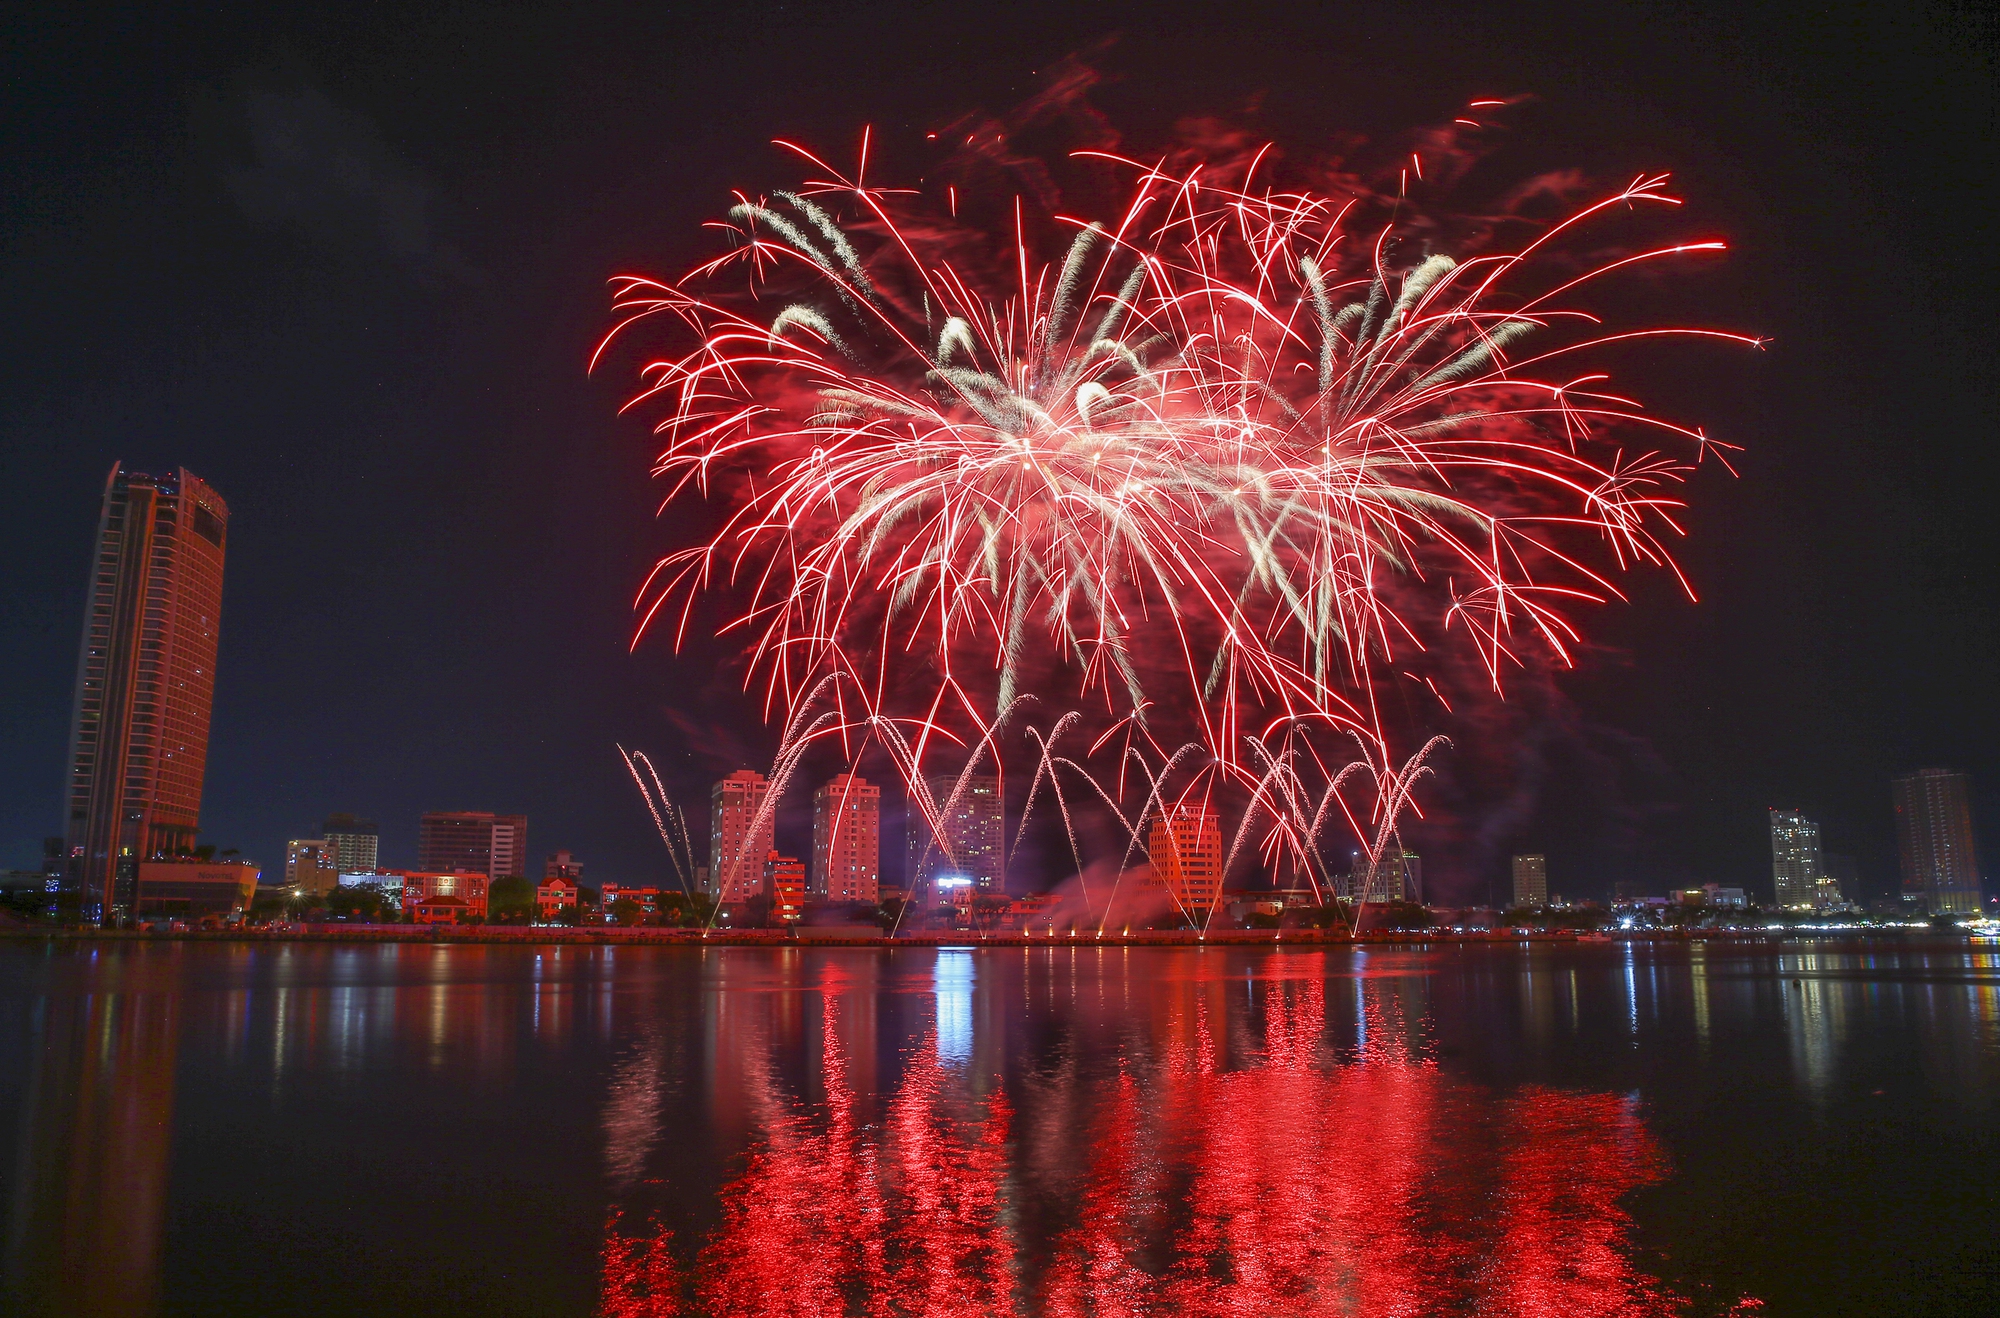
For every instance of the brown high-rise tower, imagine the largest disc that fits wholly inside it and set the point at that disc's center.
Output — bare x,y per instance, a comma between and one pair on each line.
1934,837
145,682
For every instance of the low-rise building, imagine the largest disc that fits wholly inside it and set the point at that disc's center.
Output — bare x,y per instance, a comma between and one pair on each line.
785,885
648,899
196,888
442,910
421,886
554,896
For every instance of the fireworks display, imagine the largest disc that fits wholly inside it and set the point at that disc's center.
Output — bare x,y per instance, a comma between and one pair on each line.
1202,474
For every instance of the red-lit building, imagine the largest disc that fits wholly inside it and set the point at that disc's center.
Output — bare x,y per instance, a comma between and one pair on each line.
420,887
145,682
443,910
847,840
785,885
555,895
1186,850
739,833
648,899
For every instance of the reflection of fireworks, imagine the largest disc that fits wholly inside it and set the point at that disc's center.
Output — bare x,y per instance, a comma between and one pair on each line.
1314,1177
1233,442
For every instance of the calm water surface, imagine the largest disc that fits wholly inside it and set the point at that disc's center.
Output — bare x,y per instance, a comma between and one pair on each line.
1497,1129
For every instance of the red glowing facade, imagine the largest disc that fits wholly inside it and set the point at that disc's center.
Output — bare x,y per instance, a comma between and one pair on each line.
145,682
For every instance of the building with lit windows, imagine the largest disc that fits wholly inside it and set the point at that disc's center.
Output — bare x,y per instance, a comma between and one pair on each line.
1934,841
312,866
737,841
145,683
785,885
356,842
1797,873
477,841
554,895
420,886
847,840
972,842
1531,881
1185,846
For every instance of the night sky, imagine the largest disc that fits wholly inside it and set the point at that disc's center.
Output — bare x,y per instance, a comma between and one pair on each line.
346,263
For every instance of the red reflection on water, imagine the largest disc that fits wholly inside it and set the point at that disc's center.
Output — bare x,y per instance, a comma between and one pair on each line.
1298,1185
641,1277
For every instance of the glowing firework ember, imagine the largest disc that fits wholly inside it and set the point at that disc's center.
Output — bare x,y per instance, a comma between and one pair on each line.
1221,459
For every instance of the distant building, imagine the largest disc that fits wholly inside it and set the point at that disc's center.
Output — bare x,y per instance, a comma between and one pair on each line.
1797,873
443,910
420,886
356,842
311,866
971,838
1185,846
1935,842
847,840
1531,880
1627,892
562,865
145,683
1399,878
737,841
389,881
476,841
647,899
785,885
555,895
194,888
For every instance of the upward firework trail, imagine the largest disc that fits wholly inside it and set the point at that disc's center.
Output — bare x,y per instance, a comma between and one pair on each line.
1219,461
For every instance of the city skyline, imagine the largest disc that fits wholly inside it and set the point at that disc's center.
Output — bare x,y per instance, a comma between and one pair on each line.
1815,665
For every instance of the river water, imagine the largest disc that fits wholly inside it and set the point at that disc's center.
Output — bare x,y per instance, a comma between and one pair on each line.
277,1129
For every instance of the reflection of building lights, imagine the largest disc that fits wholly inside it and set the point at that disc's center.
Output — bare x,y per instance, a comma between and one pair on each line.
951,979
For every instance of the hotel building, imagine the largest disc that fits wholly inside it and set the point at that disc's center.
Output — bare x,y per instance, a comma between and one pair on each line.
145,683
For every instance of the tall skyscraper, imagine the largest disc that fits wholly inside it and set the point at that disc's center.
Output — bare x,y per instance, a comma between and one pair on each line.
145,682
473,840
1797,872
355,843
1531,881
1186,850
847,840
1934,837
974,840
737,845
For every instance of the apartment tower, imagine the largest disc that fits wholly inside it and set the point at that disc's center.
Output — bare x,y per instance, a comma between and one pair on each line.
737,844
1797,872
1531,881
145,683
973,834
1934,839
355,843
847,840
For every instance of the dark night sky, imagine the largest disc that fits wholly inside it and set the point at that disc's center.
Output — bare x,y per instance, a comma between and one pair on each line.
346,263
